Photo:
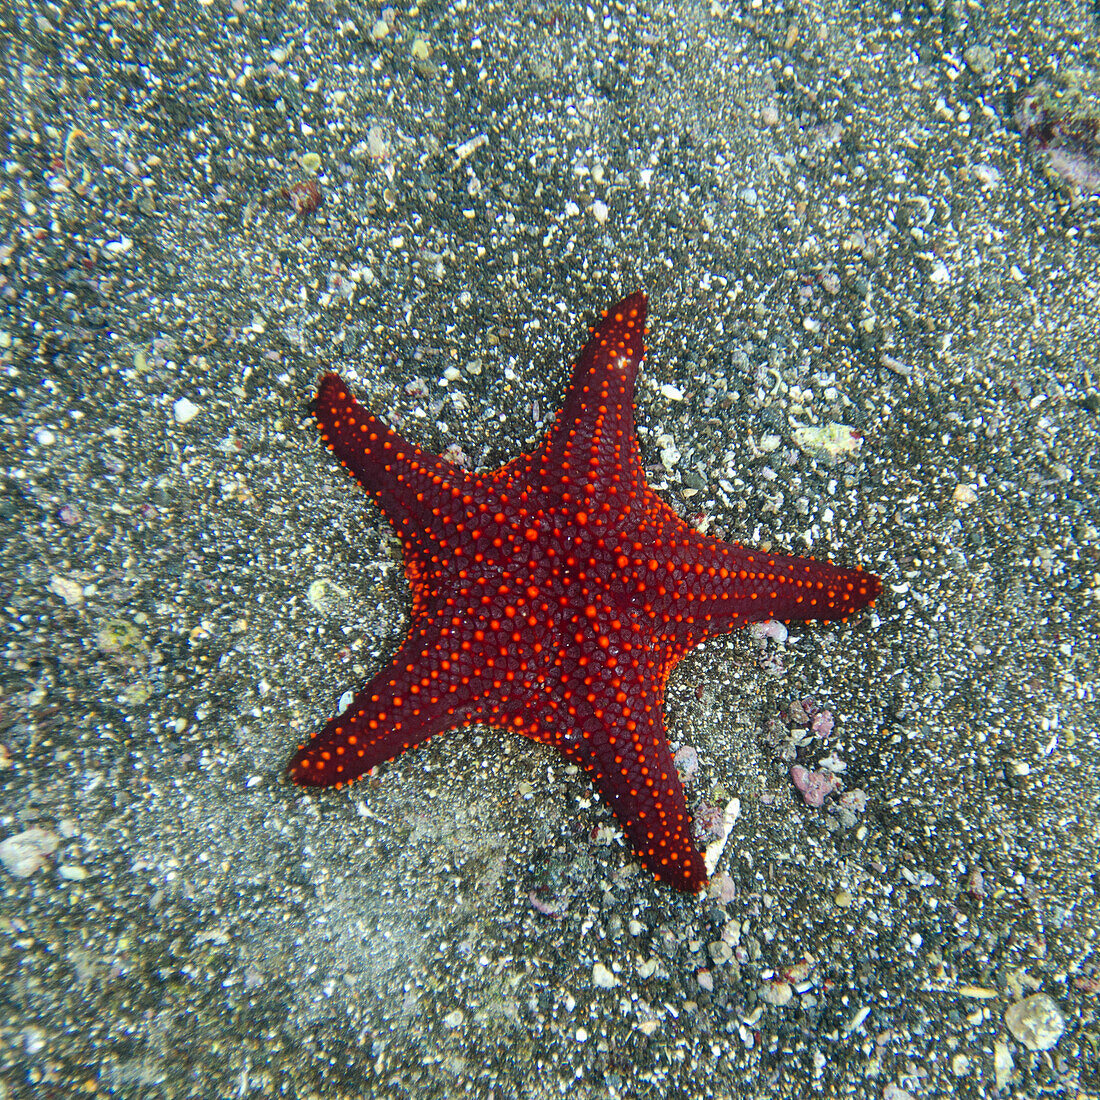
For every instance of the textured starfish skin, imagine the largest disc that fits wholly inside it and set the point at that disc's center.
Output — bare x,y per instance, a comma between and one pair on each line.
554,596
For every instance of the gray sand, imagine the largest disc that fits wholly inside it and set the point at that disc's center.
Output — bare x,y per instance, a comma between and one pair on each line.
875,316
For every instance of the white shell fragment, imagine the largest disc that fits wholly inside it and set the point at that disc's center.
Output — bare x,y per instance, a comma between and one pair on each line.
831,439
25,852
1036,1021
184,411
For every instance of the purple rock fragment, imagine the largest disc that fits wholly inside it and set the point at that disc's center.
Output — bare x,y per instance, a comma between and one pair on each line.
814,786
1060,123
687,763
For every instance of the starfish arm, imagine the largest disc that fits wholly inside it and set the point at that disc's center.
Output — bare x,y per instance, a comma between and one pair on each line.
407,482
425,690
588,458
617,733
694,586
612,723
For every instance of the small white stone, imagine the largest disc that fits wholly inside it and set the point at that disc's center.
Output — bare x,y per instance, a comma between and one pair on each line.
377,146
603,977
454,1019
670,455
600,211
1036,1022
184,410
72,592
25,852
720,952
44,437
964,496
776,993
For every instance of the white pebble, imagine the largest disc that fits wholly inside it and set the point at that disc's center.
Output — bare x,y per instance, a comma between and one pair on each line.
776,993
1036,1022
72,592
25,852
185,411
603,977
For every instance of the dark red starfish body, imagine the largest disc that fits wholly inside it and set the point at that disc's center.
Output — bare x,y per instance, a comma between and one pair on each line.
554,596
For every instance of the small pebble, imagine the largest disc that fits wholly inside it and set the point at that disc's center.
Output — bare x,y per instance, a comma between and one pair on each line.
454,1019
815,786
1003,1066
831,440
720,952
72,592
776,993
1036,1022
377,146
23,853
981,60
687,762
184,411
602,977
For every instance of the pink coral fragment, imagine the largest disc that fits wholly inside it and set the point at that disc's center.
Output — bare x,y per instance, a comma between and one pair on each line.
815,786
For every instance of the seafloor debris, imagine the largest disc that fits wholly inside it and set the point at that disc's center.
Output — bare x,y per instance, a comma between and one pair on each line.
1060,123
304,197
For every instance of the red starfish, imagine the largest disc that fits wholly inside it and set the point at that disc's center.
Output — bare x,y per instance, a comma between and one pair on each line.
554,596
